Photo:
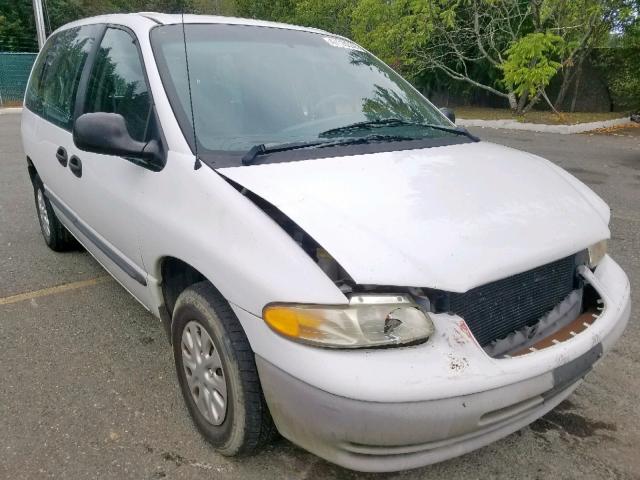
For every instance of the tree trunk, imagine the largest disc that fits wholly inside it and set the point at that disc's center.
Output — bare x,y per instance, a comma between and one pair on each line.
567,77
546,98
564,87
522,101
533,101
513,102
576,87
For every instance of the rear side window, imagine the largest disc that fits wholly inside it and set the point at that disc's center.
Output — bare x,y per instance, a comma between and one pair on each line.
33,95
54,82
117,83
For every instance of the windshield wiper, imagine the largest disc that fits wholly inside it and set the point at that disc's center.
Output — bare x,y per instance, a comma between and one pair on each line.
393,122
261,149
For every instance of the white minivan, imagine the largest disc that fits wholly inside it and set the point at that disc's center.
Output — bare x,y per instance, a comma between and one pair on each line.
331,257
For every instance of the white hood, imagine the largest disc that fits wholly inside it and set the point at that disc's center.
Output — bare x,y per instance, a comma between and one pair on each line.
450,217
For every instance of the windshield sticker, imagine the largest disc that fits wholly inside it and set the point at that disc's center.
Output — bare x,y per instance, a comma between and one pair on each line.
342,43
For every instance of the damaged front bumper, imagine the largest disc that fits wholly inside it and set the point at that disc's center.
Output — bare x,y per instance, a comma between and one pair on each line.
383,437
405,408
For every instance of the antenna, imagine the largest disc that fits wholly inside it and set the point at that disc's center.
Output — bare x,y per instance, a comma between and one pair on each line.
197,164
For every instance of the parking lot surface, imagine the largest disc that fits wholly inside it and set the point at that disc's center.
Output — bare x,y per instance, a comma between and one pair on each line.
88,388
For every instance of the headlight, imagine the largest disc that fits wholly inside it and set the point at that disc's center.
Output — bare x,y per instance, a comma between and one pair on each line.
368,321
596,252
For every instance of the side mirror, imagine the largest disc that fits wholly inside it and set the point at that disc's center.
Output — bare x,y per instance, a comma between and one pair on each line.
107,133
449,113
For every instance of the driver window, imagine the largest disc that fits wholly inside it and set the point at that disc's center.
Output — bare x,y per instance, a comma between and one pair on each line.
117,83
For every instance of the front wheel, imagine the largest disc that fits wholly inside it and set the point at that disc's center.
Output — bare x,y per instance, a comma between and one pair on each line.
217,373
55,235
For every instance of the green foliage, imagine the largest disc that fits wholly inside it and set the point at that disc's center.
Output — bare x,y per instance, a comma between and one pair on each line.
625,84
17,27
275,10
524,43
620,63
625,79
394,30
213,7
331,15
530,63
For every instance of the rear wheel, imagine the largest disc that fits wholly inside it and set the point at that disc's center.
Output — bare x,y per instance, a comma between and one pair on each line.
217,373
55,235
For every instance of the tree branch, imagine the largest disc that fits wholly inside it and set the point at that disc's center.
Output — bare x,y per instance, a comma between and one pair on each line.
476,29
460,77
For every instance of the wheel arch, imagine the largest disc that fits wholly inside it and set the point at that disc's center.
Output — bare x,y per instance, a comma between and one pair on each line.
176,275
33,173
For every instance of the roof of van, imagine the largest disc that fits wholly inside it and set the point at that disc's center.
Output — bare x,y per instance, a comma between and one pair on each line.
168,19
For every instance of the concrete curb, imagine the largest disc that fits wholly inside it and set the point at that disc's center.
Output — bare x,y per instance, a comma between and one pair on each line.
10,110
536,127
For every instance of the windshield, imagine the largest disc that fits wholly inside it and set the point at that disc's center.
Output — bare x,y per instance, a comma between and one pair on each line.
256,85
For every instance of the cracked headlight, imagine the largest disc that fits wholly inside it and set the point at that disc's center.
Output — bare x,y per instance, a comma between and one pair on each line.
596,252
368,321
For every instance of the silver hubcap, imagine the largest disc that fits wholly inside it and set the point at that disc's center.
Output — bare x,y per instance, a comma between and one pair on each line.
205,375
44,216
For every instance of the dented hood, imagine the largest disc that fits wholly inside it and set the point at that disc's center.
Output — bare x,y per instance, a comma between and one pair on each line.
451,217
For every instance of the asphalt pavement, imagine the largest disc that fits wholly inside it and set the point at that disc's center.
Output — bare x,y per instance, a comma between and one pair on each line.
88,388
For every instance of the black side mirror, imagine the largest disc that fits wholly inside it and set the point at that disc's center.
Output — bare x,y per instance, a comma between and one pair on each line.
449,113
107,133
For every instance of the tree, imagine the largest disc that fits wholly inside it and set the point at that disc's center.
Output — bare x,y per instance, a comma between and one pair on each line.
530,66
275,10
467,40
17,27
213,7
331,15
583,25
392,30
510,48
60,12
619,60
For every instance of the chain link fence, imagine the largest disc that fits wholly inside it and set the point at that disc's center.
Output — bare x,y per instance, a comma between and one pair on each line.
14,74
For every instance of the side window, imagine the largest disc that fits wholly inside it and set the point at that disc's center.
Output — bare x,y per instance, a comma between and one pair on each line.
117,83
33,96
54,83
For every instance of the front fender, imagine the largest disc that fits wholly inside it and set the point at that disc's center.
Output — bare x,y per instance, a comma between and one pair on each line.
212,227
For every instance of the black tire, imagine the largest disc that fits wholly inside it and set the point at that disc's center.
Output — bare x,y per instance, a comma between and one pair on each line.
56,236
247,425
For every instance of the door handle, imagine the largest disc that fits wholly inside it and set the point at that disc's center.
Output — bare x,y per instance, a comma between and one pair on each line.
75,165
61,155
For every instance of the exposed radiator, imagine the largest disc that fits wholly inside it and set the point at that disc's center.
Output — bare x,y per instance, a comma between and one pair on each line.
494,310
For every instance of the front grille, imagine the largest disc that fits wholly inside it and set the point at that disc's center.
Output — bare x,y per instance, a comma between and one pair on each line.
495,310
